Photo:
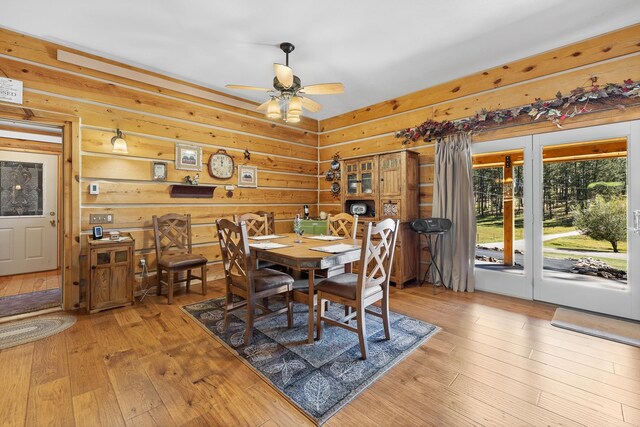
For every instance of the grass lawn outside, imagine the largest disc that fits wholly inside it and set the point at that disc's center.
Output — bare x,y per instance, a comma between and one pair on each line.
584,243
490,229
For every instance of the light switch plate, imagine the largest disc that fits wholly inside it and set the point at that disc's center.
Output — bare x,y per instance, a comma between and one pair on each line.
100,218
94,188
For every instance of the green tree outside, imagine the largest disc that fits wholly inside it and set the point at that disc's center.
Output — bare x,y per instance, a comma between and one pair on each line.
603,219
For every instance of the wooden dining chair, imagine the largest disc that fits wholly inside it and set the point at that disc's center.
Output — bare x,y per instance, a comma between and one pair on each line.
271,220
257,225
174,253
361,290
247,282
342,224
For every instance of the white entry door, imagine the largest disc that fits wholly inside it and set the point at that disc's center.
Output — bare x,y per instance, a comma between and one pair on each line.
28,212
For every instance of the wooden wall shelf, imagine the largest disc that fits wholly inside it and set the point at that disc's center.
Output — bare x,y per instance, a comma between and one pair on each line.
192,191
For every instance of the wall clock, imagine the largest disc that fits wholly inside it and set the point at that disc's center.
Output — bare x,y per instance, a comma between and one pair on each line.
221,165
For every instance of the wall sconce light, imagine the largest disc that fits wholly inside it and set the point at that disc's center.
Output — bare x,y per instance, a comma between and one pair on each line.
119,144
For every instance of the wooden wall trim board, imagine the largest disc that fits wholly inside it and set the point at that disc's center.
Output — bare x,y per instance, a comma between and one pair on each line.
128,73
291,159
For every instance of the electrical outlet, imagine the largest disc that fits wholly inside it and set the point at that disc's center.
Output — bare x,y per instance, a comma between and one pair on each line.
143,262
100,218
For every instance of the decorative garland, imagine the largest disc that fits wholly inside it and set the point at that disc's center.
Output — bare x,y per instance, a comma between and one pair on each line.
556,111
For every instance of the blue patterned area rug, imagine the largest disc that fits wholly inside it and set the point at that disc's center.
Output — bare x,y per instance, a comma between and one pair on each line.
318,378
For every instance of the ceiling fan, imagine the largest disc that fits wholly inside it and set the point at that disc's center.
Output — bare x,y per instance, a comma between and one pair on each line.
286,96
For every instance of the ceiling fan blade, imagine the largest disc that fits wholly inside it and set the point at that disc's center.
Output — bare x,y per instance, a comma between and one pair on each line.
310,104
284,75
323,89
263,106
242,87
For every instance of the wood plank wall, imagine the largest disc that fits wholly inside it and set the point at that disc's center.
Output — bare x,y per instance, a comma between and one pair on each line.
612,57
154,119
291,159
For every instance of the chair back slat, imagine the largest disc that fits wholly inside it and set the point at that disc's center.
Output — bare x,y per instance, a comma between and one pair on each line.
257,225
234,247
271,219
342,224
376,259
172,233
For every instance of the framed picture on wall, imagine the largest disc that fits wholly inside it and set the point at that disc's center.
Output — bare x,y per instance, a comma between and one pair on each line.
247,176
188,157
159,171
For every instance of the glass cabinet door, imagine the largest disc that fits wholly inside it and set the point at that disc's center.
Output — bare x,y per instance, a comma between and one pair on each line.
367,183
366,177
352,178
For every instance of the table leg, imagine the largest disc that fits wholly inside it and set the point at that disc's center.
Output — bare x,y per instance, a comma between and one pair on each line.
310,325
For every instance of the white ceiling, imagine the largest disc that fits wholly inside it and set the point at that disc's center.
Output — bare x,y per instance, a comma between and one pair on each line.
378,49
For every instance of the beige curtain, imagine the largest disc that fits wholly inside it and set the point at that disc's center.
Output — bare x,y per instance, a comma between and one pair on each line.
453,199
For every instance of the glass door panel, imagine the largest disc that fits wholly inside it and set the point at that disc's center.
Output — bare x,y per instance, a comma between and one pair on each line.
501,214
584,210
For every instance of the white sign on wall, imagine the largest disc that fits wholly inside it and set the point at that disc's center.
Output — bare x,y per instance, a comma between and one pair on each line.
10,90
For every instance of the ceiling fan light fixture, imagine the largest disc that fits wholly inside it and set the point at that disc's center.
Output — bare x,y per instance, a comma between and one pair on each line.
119,144
295,106
293,118
285,103
273,109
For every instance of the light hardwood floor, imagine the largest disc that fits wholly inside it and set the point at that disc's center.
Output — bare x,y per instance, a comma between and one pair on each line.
30,282
497,361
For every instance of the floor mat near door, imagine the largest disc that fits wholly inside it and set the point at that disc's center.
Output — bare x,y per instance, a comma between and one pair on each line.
623,331
27,303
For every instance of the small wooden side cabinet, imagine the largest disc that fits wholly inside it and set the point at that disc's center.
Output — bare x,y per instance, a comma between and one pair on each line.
110,273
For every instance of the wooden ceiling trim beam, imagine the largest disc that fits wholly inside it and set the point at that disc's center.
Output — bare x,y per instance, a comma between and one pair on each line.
600,48
513,96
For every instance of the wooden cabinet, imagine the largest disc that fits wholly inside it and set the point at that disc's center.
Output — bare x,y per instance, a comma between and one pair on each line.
392,179
110,273
360,175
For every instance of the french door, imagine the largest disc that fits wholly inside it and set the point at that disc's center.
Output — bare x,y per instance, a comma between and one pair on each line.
540,237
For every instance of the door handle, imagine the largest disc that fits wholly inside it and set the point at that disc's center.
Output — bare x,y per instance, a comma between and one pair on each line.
52,222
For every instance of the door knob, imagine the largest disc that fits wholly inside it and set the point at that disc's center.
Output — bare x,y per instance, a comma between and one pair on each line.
53,222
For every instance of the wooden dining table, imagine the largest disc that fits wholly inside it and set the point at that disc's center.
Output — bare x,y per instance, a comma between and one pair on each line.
300,256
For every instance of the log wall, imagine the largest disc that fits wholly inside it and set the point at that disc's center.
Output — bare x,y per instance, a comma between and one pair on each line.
612,57
153,120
